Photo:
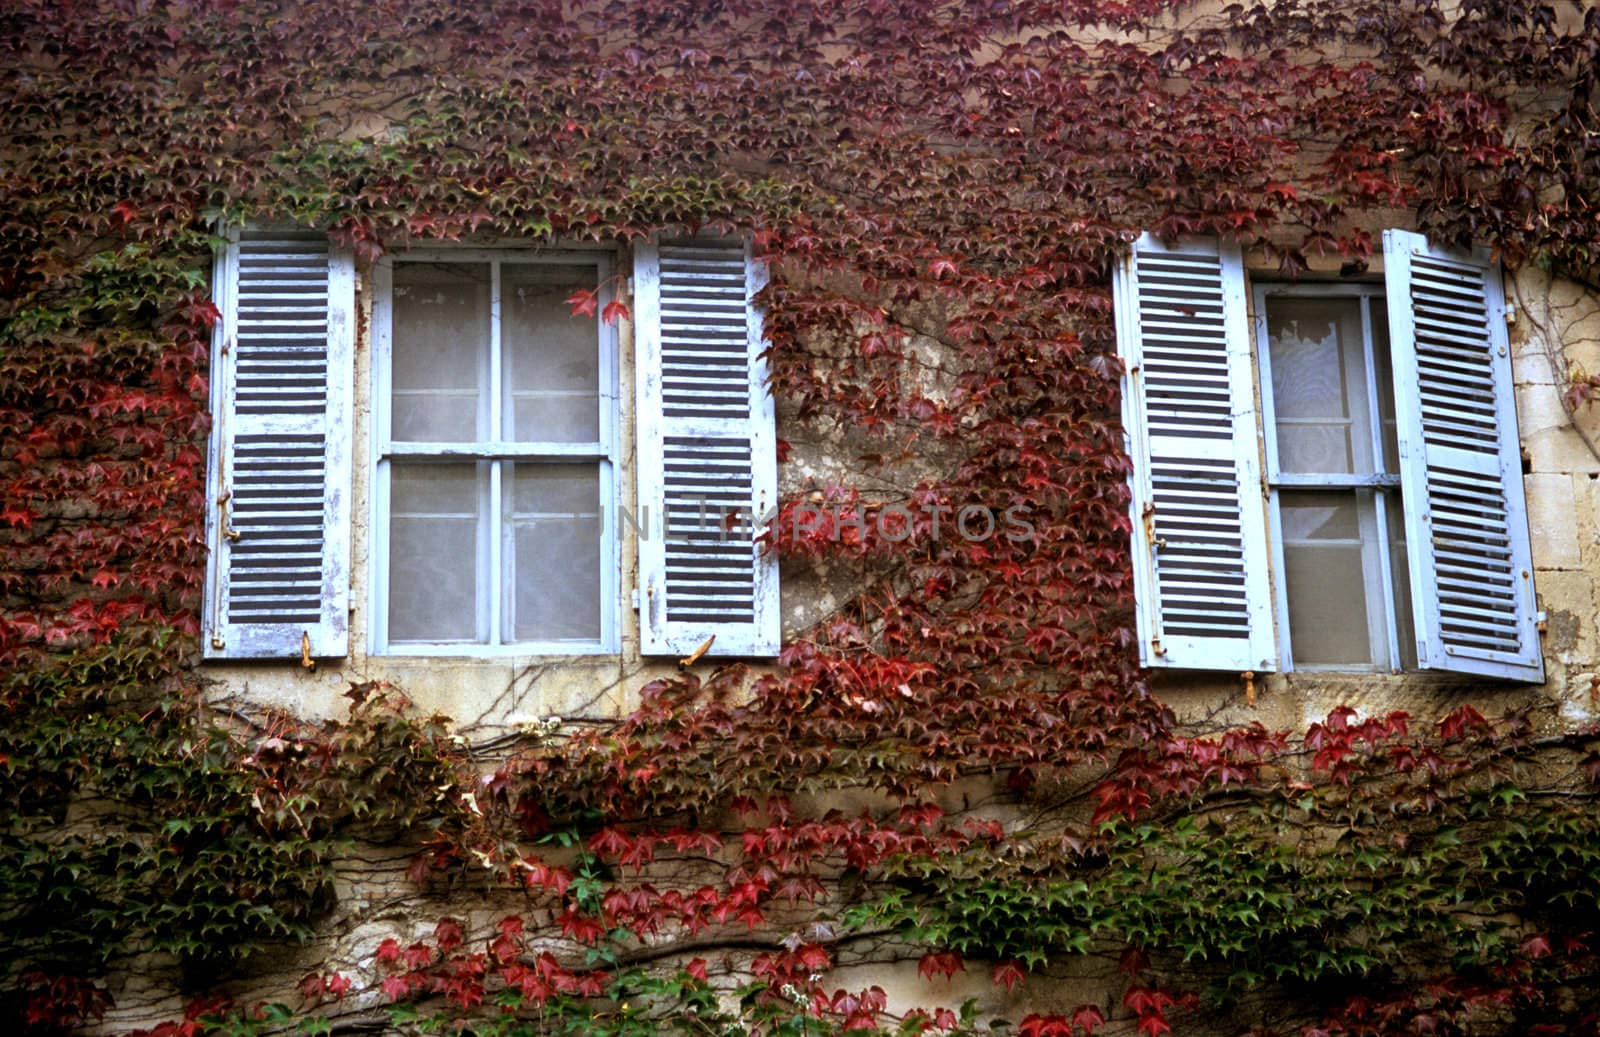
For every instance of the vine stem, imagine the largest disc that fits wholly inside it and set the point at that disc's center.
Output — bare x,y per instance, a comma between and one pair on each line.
1558,368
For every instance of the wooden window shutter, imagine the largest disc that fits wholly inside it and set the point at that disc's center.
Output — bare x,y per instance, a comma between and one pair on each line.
707,452
1199,528
1461,473
278,578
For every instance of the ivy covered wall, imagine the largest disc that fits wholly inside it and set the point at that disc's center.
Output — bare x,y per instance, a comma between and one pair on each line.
960,770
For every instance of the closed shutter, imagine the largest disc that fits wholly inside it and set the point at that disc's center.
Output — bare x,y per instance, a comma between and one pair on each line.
1199,528
279,525
1461,473
707,453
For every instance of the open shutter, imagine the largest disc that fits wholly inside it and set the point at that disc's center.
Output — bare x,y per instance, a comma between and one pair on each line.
279,524
1461,474
1188,405
707,456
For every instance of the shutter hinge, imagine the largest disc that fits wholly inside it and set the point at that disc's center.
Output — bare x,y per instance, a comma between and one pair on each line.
228,532
1541,620
1511,312
635,599
694,656
1148,515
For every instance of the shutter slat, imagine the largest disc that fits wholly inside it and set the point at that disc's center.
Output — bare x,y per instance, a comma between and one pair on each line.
1200,569
707,457
1461,477
280,448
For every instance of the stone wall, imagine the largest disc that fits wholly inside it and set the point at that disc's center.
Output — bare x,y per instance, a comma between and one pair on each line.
1555,334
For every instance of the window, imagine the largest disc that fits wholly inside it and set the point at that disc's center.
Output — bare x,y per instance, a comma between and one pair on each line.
494,485
1332,466
495,450
1370,516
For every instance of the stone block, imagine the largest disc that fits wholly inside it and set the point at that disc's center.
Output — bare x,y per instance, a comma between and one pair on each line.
1559,450
1583,356
1539,408
1567,597
1580,703
1558,293
1552,521
1531,367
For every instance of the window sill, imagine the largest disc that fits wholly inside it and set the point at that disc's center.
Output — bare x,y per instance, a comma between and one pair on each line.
494,653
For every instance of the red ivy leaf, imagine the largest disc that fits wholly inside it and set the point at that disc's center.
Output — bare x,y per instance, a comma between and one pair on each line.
1154,1025
18,515
1008,974
1045,1026
946,963
310,986
1459,723
1088,1017
448,933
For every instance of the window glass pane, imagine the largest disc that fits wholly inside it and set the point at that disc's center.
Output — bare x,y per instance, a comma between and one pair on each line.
1326,579
1404,621
1319,392
433,552
1385,373
553,546
440,352
551,357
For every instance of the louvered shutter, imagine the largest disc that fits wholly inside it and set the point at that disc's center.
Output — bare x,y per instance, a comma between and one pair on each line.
707,458
1461,473
278,526
1199,527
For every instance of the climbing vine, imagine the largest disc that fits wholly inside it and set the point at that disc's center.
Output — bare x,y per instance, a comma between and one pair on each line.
960,768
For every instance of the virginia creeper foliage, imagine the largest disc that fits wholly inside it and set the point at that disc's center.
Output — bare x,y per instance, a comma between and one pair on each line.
942,189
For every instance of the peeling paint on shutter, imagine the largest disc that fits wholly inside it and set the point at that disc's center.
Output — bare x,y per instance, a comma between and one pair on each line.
278,574
707,454
1461,474
1199,528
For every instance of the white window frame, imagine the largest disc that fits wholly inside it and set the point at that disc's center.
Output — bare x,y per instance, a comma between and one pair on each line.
602,452
1386,485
